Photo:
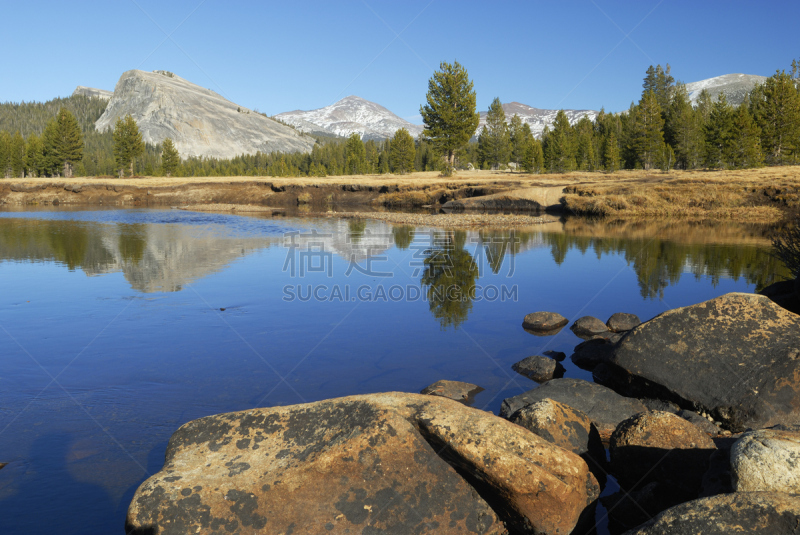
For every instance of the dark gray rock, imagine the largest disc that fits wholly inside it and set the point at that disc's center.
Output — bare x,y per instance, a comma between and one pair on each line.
660,405
555,355
709,428
602,405
544,323
736,357
621,321
456,390
754,513
592,352
588,326
539,368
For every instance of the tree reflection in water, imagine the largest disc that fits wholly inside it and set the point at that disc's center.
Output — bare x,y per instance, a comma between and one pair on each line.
449,276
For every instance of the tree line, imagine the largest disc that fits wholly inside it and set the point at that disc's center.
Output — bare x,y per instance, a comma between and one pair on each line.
663,130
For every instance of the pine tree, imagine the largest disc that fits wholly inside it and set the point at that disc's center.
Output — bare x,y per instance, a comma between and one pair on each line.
585,158
517,139
355,155
718,132
775,105
17,155
646,134
68,142
559,152
5,154
449,116
170,159
744,149
403,153
128,144
611,155
34,156
683,130
494,141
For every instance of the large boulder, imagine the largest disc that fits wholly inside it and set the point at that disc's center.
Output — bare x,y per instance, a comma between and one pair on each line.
603,406
767,460
735,357
567,428
661,448
754,513
381,463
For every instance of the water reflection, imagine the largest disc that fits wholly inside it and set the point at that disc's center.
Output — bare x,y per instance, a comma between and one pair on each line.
449,276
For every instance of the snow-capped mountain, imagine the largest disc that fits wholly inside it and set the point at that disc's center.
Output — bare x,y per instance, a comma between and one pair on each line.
349,115
537,117
734,86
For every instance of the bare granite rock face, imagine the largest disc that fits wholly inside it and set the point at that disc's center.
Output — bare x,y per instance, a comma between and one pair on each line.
380,463
199,121
93,92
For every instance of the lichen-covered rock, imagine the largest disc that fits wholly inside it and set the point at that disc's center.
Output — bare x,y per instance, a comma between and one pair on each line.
602,405
381,463
588,326
735,357
539,368
767,460
544,323
567,428
462,392
661,448
754,513
621,321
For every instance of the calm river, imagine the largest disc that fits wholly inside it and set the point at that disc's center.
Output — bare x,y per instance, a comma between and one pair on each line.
118,326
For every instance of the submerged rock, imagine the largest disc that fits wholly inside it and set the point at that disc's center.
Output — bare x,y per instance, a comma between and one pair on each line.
736,357
389,463
539,368
456,390
588,326
767,460
621,322
544,323
756,513
602,405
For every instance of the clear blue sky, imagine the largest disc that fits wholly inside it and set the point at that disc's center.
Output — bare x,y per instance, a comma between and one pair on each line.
282,56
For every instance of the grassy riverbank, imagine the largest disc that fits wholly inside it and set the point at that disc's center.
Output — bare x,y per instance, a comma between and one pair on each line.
753,195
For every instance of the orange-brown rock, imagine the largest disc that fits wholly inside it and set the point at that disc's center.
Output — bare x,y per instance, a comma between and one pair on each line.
381,463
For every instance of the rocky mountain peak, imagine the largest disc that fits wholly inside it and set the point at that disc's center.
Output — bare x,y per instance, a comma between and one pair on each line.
735,87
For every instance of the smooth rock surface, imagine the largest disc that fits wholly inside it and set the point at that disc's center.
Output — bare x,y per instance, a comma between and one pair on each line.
362,464
735,357
539,368
588,326
767,460
754,513
589,354
455,390
622,321
199,121
603,406
544,322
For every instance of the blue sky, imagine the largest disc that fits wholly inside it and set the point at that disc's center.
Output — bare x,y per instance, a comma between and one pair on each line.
282,56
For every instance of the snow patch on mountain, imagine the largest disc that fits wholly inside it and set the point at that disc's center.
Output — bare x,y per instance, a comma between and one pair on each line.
735,87
347,116
537,118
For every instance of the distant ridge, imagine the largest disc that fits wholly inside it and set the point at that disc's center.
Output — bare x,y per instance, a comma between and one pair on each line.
735,87
347,116
536,117
199,121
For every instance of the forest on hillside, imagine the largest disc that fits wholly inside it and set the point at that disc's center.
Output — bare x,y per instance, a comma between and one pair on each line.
662,130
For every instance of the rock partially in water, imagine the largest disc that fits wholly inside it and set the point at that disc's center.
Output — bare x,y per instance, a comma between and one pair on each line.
754,513
588,326
555,355
589,354
544,323
456,390
622,321
539,368
767,460
602,405
736,357
389,463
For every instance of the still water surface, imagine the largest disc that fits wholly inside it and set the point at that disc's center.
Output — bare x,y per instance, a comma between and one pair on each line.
118,326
